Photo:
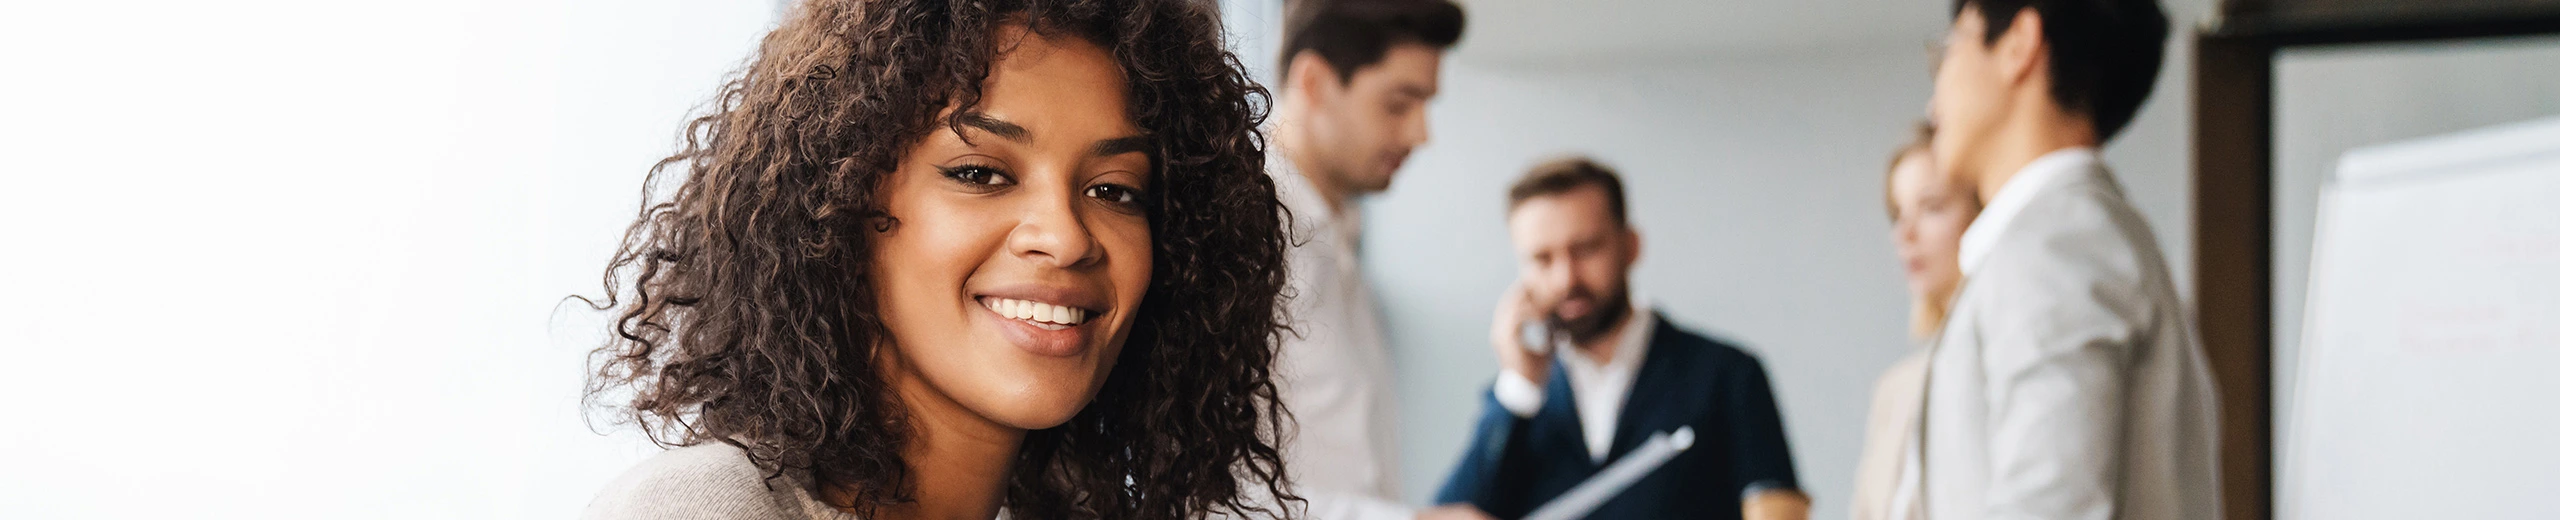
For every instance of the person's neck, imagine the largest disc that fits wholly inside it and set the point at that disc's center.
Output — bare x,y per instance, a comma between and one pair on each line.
1295,146
2032,135
958,461
1603,348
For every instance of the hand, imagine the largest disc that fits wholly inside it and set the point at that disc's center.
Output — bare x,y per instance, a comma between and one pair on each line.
1509,316
1453,512
1776,504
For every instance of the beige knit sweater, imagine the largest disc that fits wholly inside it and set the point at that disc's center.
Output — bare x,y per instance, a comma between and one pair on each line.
710,481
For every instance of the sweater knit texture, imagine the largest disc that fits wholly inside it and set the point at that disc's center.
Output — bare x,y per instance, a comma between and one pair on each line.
708,481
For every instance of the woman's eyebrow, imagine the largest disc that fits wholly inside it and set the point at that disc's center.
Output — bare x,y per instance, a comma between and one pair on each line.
1116,146
980,121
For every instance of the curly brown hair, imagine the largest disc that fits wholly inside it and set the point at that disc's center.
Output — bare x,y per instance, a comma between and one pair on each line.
746,312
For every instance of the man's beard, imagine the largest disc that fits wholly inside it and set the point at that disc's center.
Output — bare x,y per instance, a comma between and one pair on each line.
1601,318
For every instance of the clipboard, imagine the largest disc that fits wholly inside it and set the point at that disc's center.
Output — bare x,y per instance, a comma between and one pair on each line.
1589,495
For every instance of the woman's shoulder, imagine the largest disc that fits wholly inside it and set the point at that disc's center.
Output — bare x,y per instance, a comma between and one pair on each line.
711,480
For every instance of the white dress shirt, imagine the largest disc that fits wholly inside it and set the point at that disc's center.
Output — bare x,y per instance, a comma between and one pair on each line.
1997,215
2067,383
1335,373
1906,492
1888,478
1599,389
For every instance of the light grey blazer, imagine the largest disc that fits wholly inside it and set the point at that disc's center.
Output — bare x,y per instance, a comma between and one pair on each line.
2068,383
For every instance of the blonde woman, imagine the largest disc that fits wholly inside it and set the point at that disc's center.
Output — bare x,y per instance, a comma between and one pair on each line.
1929,211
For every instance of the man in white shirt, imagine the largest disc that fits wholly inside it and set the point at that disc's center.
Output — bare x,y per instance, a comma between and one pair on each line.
2067,383
1614,373
1356,75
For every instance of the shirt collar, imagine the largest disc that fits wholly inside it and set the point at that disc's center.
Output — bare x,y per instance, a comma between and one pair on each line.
2001,212
1308,211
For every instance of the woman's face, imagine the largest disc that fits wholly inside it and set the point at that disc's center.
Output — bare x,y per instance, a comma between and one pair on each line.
1930,214
1021,248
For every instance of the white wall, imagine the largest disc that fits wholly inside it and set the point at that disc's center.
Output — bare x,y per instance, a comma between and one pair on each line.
1757,181
2330,100
286,259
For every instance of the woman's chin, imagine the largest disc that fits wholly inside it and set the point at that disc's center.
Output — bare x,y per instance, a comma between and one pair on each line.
1019,389
1046,401
1034,414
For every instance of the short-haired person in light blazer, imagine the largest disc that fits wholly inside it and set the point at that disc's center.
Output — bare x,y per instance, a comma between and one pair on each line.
1617,374
2067,383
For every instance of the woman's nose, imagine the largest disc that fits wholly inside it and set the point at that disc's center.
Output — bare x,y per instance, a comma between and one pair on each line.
1051,233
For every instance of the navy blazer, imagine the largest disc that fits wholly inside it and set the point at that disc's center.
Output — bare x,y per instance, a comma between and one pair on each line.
1515,465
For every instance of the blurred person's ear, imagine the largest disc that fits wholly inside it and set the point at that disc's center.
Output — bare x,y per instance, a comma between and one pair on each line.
1634,245
1311,79
2019,54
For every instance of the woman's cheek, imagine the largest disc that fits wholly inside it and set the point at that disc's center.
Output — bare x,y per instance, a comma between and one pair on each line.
1134,260
1949,225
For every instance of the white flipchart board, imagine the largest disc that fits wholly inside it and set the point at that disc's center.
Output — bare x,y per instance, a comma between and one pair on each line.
2429,384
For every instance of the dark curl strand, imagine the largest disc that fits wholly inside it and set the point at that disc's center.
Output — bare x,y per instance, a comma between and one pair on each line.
746,312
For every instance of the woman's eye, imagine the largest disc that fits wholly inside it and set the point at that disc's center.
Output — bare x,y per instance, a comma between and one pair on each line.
976,175
1114,193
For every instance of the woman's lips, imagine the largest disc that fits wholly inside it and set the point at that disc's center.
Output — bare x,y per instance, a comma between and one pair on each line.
1042,328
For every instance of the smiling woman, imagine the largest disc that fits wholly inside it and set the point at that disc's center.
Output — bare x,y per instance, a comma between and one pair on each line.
937,259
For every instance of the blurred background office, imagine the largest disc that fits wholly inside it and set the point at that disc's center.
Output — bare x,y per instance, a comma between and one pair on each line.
305,259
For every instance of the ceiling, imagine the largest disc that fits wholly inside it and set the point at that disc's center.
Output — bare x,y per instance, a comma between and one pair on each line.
1567,31
1579,30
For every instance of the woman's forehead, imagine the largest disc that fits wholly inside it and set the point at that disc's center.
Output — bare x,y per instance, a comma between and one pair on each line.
1050,84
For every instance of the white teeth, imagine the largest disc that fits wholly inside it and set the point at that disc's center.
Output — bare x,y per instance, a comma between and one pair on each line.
1039,313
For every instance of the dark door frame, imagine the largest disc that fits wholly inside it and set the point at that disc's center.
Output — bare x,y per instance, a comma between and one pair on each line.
2234,186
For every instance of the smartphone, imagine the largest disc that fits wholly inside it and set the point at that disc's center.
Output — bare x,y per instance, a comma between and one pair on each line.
1538,336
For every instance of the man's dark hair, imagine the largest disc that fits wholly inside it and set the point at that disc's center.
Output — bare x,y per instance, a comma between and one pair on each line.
1350,34
1562,175
2103,55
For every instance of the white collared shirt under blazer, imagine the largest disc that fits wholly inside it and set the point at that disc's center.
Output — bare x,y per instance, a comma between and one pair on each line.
1334,371
2068,383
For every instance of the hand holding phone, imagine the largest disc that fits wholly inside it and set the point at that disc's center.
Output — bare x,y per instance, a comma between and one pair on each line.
1522,338
1538,336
